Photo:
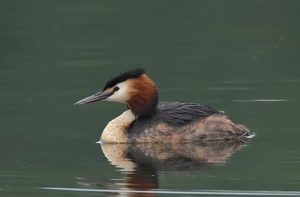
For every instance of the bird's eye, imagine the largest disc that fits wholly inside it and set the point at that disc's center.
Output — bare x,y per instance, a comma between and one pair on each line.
116,88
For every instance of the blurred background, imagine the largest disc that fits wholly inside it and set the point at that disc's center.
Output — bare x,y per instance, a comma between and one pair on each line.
238,56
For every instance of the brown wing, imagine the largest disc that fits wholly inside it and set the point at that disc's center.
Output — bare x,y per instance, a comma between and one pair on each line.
182,122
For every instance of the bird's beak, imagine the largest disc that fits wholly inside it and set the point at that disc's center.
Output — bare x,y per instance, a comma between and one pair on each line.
96,97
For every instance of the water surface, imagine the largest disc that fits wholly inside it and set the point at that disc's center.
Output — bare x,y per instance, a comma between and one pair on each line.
240,57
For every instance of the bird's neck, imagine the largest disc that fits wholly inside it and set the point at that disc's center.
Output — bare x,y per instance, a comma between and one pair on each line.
143,97
114,132
143,108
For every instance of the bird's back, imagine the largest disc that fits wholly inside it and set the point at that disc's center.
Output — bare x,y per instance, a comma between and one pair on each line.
184,122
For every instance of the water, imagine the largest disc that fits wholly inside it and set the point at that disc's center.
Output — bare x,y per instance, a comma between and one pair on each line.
240,57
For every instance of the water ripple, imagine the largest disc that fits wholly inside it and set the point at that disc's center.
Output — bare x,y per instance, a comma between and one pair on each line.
191,192
261,100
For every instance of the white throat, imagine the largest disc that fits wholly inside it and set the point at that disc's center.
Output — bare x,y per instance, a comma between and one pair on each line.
114,130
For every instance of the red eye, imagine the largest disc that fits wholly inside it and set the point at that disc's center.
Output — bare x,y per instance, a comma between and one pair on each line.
116,88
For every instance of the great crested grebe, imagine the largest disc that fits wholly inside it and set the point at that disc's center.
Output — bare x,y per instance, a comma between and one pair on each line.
148,120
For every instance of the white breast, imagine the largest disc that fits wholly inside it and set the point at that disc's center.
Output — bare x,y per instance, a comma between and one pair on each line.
114,130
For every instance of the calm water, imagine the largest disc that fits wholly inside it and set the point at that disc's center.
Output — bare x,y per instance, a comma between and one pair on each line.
238,56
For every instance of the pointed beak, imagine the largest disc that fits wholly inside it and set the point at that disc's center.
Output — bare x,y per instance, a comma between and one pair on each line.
96,97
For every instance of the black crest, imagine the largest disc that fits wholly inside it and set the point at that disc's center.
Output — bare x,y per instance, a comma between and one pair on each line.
123,77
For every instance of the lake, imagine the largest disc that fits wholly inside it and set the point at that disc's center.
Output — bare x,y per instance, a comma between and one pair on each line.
241,57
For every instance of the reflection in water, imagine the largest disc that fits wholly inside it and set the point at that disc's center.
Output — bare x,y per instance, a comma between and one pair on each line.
142,163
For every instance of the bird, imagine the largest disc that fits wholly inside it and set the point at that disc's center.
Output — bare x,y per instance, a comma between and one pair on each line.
147,120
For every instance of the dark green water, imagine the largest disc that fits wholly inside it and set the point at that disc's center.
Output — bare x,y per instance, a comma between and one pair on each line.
238,56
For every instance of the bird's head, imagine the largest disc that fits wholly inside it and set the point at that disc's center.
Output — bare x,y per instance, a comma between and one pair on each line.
132,87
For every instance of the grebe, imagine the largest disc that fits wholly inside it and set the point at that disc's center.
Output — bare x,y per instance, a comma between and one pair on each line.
148,120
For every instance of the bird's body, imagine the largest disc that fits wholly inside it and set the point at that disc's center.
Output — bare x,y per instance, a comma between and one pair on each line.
146,120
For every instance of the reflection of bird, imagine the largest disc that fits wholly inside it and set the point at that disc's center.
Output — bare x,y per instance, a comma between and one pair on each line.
141,165
169,157
146,120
